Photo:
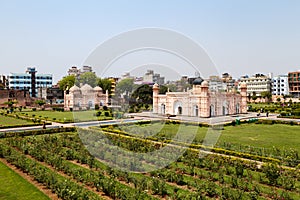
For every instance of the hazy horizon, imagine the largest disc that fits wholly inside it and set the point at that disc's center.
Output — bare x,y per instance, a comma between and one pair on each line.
241,37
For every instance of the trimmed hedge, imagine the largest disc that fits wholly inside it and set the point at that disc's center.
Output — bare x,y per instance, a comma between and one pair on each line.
22,125
37,132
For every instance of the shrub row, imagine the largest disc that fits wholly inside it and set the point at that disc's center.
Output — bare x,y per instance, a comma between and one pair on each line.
37,132
63,187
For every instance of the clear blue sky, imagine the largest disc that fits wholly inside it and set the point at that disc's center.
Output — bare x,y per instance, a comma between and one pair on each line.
241,37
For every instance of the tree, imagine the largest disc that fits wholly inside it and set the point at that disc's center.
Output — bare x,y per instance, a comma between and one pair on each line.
266,94
40,102
254,97
89,78
10,103
163,89
143,94
67,82
172,87
125,87
105,84
278,99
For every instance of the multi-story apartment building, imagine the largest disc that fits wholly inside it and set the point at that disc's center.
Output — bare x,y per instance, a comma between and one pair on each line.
294,83
150,77
256,84
76,71
216,84
280,85
3,82
30,81
228,80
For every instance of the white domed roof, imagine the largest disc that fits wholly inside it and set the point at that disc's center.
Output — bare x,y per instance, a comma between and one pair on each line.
204,83
97,88
74,88
86,87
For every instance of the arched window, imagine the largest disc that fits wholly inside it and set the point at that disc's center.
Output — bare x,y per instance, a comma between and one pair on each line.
225,108
196,110
179,110
237,108
163,109
212,110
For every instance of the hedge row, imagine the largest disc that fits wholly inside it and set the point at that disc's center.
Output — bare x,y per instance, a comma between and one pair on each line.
204,148
22,125
37,132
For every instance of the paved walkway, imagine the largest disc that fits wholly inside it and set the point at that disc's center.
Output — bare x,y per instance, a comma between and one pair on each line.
212,120
150,116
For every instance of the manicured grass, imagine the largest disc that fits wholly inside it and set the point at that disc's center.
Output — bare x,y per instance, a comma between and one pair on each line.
256,135
13,186
262,135
65,116
10,121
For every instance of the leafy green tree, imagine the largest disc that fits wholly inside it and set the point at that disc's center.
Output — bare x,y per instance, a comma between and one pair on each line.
89,78
172,87
105,84
143,94
10,103
40,102
266,94
163,89
125,86
67,82
254,97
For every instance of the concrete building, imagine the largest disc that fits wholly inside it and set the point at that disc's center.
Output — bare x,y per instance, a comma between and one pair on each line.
52,95
29,81
294,83
200,101
228,80
3,82
84,98
22,97
216,84
76,71
151,77
256,84
280,85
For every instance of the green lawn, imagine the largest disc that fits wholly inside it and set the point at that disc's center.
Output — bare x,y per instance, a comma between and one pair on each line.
262,135
15,187
66,116
256,135
10,121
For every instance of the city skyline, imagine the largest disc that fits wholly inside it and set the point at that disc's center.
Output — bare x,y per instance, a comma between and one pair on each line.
240,37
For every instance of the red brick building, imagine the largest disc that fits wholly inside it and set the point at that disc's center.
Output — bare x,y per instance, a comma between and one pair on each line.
294,83
21,96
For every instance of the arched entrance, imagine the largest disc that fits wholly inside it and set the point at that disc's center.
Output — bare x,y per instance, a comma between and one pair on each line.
225,108
237,108
178,108
90,104
196,110
163,109
212,112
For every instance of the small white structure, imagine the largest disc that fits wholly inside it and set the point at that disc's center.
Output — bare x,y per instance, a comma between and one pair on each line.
84,98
